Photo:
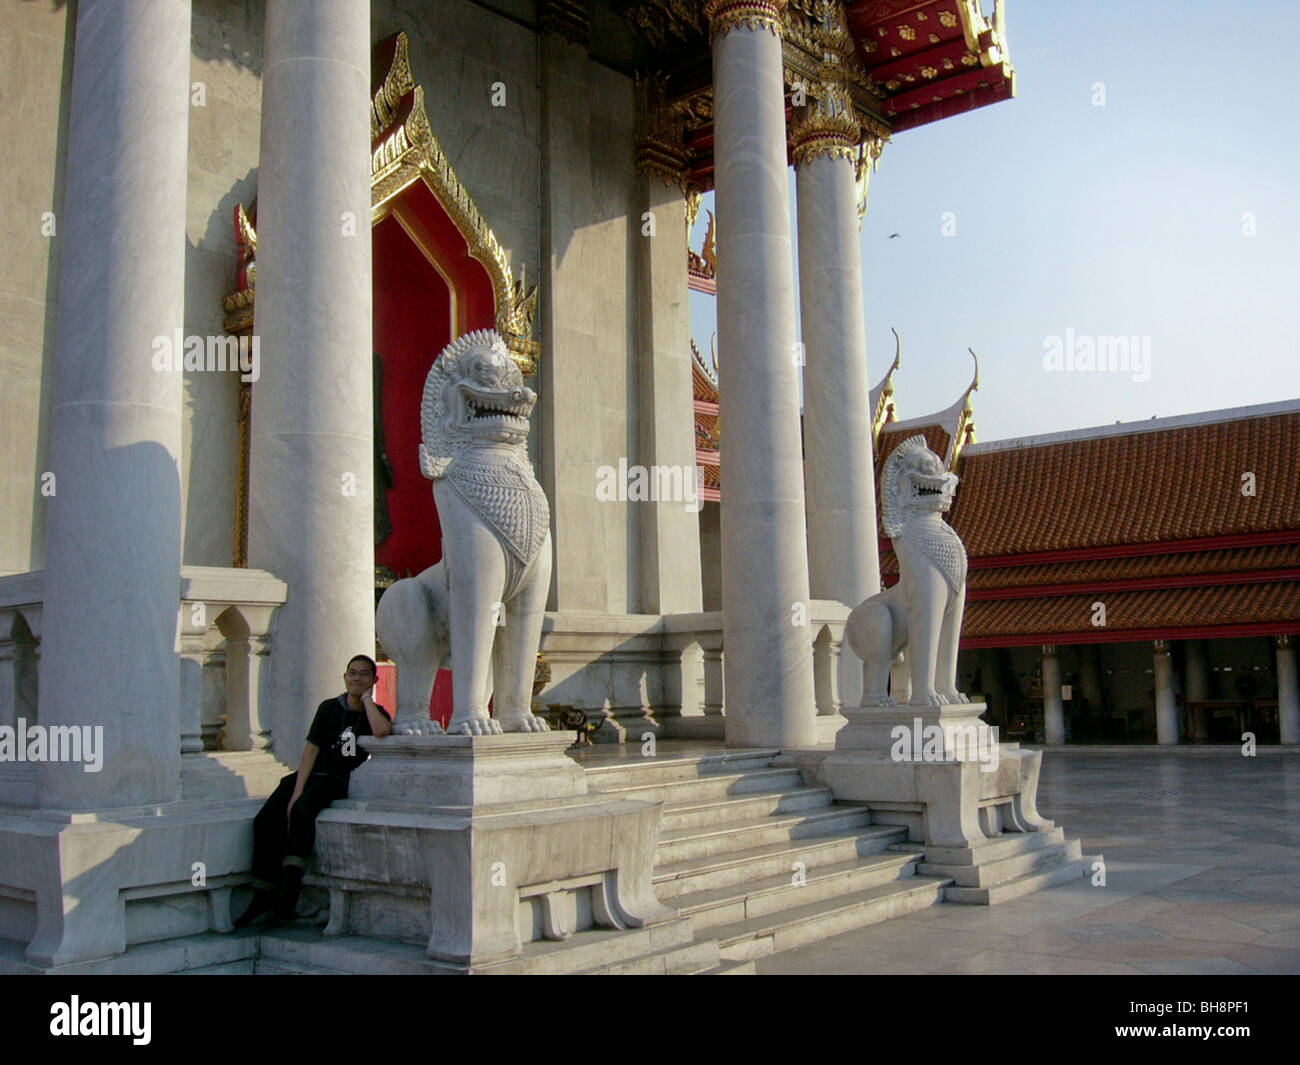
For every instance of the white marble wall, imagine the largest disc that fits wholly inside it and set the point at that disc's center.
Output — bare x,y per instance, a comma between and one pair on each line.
225,126
589,410
35,79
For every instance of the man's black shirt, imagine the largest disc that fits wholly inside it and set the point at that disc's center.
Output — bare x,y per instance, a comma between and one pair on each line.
330,729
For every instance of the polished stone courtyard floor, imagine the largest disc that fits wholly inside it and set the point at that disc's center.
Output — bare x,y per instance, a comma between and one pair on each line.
1202,863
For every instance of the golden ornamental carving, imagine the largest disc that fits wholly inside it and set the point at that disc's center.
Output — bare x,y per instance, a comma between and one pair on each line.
868,158
726,15
828,128
661,137
405,151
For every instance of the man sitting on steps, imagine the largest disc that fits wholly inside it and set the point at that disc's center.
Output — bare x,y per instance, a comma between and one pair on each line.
285,829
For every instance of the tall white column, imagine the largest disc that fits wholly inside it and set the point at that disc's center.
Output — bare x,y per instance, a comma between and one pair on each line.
311,495
1166,706
767,640
1288,690
1053,706
843,554
113,542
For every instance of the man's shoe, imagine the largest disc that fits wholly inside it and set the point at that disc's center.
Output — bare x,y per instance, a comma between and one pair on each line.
260,906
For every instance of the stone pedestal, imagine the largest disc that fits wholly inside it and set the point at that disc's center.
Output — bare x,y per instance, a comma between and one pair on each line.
938,770
468,770
474,846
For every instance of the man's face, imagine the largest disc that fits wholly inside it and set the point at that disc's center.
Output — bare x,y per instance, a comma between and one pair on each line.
359,678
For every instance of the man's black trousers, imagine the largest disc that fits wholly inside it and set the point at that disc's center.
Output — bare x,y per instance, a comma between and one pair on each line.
279,841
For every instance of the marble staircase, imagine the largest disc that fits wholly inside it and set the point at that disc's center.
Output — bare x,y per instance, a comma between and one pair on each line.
760,862
755,861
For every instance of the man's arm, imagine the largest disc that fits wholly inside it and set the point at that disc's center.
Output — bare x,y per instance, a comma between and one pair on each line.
380,726
309,753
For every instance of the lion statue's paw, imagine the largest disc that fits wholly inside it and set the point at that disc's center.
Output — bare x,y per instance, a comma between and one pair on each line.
418,728
931,698
532,723
955,698
477,726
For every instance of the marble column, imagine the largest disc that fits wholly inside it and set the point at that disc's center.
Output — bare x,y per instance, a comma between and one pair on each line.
767,636
1053,706
1166,705
843,554
670,527
311,498
1198,686
113,542
1288,690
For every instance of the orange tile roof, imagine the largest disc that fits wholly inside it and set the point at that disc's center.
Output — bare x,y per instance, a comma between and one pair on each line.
1179,483
1135,615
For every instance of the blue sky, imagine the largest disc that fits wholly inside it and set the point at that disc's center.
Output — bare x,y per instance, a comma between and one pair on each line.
1126,219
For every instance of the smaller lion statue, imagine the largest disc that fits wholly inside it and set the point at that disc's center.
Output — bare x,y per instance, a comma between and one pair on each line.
483,605
923,611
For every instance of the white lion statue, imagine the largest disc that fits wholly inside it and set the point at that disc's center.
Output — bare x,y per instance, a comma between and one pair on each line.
485,601
923,611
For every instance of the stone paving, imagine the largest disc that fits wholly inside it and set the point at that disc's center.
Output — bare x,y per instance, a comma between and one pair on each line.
1202,864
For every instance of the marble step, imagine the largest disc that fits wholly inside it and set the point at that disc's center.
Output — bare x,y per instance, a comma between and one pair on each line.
668,768
309,949
711,786
672,880
1007,845
1022,885
678,845
721,906
284,968
690,960
759,936
987,874
208,951
732,968
600,948
743,808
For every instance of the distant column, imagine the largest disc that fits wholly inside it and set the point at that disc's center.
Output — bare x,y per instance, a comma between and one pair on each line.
311,499
767,637
843,554
1288,690
1053,706
113,545
1198,686
1166,705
